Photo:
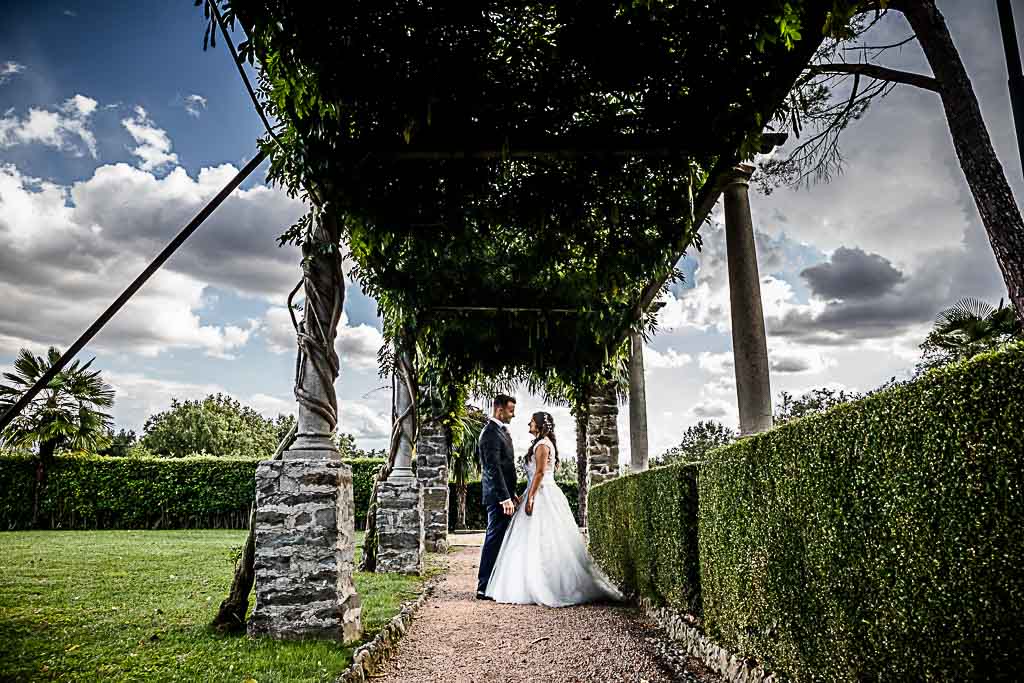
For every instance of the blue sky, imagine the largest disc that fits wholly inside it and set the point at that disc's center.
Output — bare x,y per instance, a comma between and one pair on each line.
115,127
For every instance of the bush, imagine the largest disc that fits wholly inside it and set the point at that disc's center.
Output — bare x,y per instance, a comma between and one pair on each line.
643,532
476,516
93,492
880,540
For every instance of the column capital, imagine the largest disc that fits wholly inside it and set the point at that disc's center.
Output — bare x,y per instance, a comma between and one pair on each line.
738,175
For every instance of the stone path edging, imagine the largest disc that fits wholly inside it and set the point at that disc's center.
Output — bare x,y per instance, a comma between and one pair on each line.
730,666
368,660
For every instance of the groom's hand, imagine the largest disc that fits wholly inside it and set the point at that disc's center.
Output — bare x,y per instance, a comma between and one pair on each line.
507,507
515,501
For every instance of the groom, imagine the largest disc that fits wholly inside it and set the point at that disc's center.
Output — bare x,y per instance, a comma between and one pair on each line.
497,460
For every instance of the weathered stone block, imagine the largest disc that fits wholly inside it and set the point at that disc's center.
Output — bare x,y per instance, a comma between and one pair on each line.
305,542
400,527
432,473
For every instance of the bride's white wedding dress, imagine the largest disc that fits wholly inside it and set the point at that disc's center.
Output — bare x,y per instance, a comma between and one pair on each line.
543,559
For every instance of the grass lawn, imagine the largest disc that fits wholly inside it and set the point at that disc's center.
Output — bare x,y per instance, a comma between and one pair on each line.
134,605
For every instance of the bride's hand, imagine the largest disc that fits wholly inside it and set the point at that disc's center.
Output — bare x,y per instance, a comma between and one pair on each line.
529,506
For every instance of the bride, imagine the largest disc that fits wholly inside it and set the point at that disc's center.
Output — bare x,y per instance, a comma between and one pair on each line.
543,558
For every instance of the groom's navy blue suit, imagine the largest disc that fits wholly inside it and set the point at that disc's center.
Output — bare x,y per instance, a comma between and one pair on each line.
497,461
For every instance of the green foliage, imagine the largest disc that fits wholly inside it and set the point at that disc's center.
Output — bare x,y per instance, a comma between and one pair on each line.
139,492
586,233
815,401
66,415
121,444
643,532
697,440
217,425
967,328
476,515
881,540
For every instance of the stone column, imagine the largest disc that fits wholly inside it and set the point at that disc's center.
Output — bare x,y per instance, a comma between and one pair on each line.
602,437
749,345
400,529
637,405
432,473
305,522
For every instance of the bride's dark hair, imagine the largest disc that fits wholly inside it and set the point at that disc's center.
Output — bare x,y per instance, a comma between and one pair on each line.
545,428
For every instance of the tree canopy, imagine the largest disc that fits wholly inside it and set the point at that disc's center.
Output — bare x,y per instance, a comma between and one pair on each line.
548,162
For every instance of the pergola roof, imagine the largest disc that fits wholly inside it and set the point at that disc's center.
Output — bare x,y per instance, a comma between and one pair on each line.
488,156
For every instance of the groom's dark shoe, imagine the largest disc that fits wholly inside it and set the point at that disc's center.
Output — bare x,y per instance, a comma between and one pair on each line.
483,596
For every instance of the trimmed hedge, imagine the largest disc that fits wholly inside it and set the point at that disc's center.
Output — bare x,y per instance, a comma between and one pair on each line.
643,532
93,492
476,516
881,540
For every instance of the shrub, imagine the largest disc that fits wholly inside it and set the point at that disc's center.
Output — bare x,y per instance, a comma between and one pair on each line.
643,532
93,492
476,516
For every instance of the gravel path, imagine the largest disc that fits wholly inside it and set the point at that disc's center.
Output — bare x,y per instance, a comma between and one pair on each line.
455,637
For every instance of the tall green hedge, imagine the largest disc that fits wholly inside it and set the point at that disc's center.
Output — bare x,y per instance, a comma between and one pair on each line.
882,540
476,515
92,492
643,532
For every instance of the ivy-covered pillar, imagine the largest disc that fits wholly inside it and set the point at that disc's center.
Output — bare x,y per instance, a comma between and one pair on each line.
400,520
749,345
602,436
305,522
432,474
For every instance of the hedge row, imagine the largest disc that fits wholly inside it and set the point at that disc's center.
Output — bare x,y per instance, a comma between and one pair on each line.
92,492
643,531
882,540
476,515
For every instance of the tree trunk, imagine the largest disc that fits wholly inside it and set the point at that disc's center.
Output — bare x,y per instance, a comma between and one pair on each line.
582,461
984,173
231,614
460,505
46,451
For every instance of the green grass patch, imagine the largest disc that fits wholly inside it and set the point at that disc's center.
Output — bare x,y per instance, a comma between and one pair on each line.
134,605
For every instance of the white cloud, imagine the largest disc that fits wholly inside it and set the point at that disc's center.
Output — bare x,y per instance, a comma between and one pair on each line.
357,346
194,104
362,421
8,69
154,145
716,363
65,128
669,359
66,254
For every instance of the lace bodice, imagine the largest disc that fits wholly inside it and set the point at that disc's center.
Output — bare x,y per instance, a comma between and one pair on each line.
531,467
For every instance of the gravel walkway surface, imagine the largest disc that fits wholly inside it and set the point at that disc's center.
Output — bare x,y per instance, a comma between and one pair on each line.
455,637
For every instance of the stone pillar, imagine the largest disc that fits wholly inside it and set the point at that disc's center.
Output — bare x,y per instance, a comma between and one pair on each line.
305,526
305,537
602,436
400,528
432,473
749,345
637,405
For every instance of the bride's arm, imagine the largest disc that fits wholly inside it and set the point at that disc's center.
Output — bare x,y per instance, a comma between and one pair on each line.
540,456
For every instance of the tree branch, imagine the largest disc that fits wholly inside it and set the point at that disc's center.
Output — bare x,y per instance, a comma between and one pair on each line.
881,73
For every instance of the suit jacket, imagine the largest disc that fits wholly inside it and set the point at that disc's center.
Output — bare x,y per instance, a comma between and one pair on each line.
497,463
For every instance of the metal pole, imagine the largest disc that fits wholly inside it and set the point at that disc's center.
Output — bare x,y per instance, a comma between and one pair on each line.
1013,69
127,294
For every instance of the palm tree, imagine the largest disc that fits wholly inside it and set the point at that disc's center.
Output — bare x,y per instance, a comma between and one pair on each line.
65,415
462,460
966,328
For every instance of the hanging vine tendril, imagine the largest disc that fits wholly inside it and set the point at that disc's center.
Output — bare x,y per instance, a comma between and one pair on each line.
324,285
